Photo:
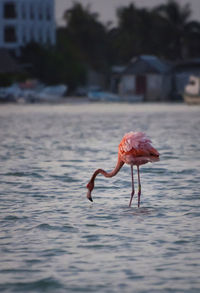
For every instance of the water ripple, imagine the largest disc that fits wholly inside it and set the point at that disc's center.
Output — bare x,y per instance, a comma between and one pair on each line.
54,240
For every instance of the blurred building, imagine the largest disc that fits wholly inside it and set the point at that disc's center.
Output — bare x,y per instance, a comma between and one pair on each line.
146,78
25,21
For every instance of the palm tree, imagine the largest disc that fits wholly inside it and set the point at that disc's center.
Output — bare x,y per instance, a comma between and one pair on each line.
87,33
134,31
177,26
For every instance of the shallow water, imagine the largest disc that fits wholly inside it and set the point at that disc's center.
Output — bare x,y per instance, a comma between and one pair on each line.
52,239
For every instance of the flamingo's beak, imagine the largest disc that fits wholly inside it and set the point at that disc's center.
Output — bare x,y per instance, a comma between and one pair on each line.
89,195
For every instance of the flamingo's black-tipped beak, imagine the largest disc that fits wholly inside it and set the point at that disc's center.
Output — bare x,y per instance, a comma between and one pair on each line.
89,195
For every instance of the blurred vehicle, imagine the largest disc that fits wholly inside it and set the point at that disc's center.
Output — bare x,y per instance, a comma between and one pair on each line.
27,93
192,91
96,94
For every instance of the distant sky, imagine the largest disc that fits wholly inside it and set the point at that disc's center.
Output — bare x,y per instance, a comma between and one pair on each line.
106,8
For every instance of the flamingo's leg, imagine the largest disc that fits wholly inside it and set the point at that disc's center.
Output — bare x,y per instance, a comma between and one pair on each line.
139,186
133,189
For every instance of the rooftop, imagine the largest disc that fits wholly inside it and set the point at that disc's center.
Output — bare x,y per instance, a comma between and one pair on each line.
146,64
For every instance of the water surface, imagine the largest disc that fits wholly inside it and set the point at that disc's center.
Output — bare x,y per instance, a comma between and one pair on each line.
52,239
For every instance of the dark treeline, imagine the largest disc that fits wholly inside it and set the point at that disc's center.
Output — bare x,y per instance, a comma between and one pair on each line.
166,31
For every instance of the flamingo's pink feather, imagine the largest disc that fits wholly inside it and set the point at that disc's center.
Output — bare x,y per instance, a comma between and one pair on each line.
136,148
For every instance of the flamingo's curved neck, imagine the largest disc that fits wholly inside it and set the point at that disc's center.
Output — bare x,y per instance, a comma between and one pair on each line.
120,163
90,184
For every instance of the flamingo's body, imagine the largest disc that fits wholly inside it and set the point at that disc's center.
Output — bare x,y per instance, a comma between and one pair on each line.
134,149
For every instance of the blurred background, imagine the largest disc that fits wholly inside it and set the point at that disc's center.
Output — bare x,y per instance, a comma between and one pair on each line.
103,50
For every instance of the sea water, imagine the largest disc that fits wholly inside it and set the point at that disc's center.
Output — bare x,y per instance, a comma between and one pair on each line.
52,239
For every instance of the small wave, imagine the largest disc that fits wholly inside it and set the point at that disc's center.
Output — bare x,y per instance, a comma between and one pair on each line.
41,285
14,218
11,218
64,178
180,242
53,252
47,227
192,214
23,174
66,228
94,246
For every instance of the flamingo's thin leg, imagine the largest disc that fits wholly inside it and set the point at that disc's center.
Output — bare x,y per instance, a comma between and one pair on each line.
133,189
139,186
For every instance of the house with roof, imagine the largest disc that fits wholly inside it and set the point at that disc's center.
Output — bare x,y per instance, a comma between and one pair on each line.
146,78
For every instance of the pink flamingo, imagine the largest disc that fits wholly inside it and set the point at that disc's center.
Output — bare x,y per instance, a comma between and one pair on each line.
134,149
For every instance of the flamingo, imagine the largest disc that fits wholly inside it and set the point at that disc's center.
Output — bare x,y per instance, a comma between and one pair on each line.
135,149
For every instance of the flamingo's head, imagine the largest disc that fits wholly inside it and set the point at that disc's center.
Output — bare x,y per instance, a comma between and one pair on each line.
90,187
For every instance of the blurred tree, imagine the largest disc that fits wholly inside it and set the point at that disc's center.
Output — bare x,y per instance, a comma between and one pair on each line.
55,65
128,36
140,31
88,34
192,39
73,66
176,28
165,31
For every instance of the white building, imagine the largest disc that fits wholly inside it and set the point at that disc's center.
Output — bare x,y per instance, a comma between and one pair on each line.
24,21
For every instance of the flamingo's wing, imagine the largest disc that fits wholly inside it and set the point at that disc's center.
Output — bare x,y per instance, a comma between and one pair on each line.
140,149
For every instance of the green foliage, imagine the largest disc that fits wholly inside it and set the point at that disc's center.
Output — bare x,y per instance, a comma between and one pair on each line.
6,79
162,31
88,34
175,19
